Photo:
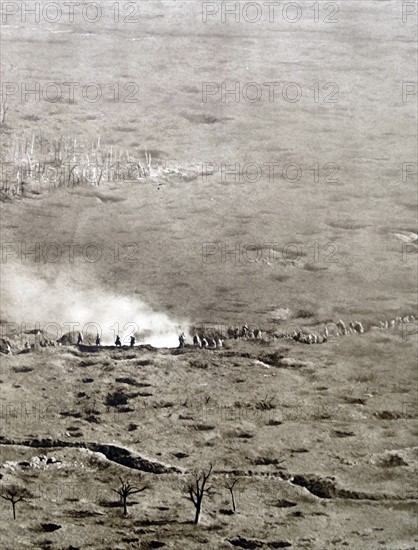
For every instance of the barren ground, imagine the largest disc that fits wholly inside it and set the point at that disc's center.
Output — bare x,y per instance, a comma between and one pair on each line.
322,438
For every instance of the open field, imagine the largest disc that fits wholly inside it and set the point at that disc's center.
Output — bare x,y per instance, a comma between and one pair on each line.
344,229
322,439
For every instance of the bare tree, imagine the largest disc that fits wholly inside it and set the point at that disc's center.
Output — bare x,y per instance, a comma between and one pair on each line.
14,494
197,491
125,490
230,486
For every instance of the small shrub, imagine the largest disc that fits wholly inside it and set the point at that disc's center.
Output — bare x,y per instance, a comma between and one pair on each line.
116,398
265,404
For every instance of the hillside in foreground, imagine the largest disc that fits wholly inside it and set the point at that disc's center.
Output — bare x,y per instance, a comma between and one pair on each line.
320,440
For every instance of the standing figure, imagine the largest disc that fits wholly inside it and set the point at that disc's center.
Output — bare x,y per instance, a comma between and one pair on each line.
341,325
211,343
358,327
118,343
79,339
98,340
197,341
182,340
5,347
132,342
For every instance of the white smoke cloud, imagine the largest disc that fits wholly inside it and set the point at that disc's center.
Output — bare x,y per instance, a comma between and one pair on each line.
59,302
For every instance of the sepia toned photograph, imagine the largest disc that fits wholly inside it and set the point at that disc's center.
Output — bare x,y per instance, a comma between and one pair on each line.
209,245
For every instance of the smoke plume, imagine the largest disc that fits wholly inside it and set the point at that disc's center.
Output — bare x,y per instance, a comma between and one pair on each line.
59,304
